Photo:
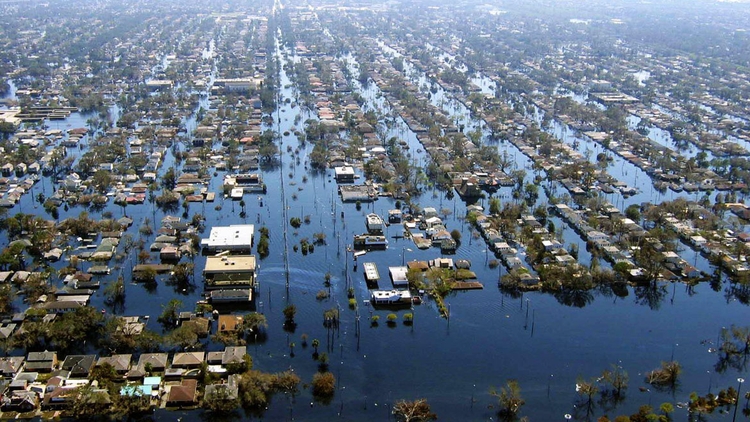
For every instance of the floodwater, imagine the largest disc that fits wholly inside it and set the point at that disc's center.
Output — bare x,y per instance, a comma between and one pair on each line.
545,342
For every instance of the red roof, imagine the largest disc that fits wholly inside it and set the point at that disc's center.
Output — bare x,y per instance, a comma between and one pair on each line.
184,393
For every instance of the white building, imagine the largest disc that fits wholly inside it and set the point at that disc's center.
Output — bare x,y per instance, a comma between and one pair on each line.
238,237
398,276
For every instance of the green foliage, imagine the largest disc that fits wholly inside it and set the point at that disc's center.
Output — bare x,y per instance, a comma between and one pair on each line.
331,315
263,243
254,322
183,337
244,365
220,400
89,402
170,313
129,406
256,388
106,375
69,330
494,206
115,292
633,212
182,274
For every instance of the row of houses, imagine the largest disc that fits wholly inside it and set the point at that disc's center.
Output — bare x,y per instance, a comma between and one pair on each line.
168,380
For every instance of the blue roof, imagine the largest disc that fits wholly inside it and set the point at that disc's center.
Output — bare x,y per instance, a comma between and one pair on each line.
152,381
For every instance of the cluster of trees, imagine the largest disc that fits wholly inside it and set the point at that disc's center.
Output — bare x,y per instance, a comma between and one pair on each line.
66,333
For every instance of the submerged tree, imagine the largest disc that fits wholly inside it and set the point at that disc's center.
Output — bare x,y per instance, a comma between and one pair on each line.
509,399
666,376
413,411
734,348
615,382
323,386
170,313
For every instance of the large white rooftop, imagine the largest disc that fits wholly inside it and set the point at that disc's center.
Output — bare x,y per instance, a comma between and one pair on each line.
228,238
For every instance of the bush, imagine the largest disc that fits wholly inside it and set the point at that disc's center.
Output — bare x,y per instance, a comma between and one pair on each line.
352,303
391,318
665,376
295,222
322,294
323,385
263,247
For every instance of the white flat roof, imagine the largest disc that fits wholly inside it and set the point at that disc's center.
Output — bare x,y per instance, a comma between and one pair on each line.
398,275
344,170
238,236
230,264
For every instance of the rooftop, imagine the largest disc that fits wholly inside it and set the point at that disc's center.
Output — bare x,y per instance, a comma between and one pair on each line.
234,237
234,263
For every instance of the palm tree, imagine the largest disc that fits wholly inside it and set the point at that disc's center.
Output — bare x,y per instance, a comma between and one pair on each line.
315,344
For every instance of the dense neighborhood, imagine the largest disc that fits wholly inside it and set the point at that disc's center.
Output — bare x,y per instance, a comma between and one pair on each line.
196,199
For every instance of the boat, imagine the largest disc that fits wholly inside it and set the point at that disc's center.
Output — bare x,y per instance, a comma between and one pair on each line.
374,223
390,297
366,241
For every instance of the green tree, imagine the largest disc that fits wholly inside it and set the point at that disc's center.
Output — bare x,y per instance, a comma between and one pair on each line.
667,409
254,322
289,312
130,405
101,181
69,330
170,313
89,403
183,337
220,399
315,344
633,212
169,179
182,274
495,206
105,375
114,293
